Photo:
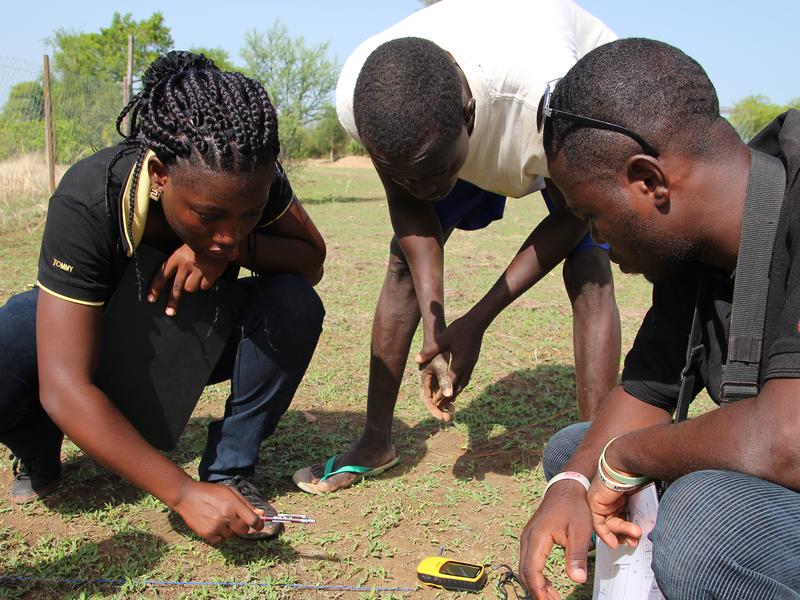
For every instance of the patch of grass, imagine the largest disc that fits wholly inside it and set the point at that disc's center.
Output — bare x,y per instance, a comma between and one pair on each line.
24,191
470,487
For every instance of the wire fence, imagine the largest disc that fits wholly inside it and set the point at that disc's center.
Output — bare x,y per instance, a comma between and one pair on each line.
83,112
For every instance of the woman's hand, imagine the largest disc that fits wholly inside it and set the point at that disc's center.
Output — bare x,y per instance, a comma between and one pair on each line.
188,272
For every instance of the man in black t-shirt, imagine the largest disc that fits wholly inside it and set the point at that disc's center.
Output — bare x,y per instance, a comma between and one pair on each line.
635,142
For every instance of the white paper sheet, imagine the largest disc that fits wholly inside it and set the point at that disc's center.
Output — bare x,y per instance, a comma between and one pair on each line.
625,573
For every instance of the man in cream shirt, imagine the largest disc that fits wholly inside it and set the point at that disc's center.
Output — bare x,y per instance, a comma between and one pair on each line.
445,103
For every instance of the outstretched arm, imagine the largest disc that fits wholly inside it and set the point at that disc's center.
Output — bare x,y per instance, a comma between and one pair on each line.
421,239
547,245
67,339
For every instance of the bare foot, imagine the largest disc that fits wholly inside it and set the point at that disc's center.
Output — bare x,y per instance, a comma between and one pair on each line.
365,457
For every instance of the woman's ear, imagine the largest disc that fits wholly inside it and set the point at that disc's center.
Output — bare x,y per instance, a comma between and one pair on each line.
158,172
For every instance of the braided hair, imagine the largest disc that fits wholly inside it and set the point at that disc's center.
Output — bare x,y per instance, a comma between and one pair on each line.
189,110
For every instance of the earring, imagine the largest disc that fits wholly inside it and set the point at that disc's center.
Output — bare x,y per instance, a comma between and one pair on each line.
155,193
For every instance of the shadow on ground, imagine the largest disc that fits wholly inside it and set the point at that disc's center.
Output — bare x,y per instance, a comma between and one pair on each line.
507,425
512,419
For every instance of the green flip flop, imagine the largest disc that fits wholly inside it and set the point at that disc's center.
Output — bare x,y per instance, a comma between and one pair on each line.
303,477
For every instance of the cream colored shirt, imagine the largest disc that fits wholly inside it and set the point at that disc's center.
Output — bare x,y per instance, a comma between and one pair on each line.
508,50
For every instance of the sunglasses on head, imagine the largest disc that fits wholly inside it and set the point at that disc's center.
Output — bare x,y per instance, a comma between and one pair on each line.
545,111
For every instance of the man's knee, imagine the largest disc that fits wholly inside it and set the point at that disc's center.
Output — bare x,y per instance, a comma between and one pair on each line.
696,532
398,270
561,447
587,275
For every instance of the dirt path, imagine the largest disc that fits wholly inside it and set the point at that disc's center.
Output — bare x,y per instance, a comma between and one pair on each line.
349,162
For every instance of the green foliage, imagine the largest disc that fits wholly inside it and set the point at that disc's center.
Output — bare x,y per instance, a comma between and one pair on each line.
752,113
220,56
25,102
20,137
21,120
327,138
86,88
355,148
85,115
298,78
103,55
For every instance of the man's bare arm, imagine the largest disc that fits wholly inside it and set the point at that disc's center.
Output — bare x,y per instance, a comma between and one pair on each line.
758,437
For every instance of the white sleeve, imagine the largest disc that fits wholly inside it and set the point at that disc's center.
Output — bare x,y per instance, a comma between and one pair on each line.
345,88
590,32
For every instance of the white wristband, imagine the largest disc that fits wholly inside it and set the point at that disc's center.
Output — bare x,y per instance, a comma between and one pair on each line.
568,475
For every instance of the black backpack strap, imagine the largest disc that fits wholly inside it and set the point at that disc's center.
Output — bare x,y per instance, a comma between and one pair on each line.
693,350
765,191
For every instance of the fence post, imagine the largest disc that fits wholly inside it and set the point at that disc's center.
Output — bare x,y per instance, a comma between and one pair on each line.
49,133
125,89
127,84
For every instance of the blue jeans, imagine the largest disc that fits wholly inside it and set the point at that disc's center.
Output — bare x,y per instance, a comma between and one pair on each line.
719,534
265,360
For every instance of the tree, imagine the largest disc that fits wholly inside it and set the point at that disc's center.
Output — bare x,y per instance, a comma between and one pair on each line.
752,113
328,137
104,55
88,69
22,120
298,78
25,102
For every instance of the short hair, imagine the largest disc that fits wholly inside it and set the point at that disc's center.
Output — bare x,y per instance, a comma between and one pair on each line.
650,87
408,96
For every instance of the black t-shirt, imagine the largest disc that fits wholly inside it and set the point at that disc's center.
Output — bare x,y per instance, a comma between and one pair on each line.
84,251
653,366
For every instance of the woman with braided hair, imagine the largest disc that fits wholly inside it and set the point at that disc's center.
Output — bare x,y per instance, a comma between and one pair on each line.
197,177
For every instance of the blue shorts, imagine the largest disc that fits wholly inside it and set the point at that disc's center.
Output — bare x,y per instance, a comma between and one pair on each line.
470,208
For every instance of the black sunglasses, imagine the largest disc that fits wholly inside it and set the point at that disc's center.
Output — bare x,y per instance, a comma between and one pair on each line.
545,111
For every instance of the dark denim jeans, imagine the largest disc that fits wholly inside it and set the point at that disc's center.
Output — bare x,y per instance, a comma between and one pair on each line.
265,360
718,535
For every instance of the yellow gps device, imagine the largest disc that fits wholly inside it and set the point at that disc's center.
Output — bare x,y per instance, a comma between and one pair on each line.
441,572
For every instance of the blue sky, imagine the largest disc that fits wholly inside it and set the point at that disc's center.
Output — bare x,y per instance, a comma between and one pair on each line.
746,47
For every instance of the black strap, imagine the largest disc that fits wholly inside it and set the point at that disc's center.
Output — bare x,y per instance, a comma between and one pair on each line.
765,191
693,351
